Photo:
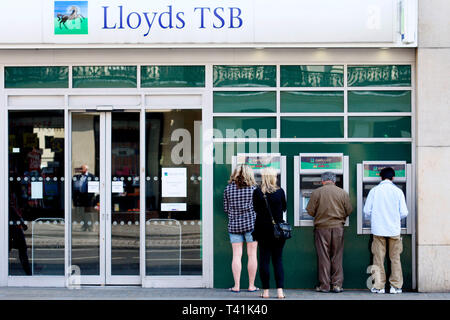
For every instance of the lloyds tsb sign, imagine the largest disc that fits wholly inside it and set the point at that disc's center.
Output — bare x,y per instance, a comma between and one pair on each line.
121,17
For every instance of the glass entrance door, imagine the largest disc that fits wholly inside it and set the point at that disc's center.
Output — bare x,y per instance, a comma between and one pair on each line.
105,194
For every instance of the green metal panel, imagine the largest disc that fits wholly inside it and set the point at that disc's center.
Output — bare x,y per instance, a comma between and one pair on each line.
312,127
104,77
379,101
299,255
245,101
250,125
172,76
379,127
312,76
312,101
245,76
379,76
36,77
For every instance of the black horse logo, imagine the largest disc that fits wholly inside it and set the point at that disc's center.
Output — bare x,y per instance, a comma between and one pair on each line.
73,15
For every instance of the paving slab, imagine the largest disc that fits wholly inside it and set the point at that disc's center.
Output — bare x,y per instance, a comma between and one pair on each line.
139,293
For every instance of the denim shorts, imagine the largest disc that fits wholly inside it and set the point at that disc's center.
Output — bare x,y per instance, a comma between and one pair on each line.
240,237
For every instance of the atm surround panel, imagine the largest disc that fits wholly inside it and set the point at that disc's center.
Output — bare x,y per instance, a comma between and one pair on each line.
280,167
367,179
306,180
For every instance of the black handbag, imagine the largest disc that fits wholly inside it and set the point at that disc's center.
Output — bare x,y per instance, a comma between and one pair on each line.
281,230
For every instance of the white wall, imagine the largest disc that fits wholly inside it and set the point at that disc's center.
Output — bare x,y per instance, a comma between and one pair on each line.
433,146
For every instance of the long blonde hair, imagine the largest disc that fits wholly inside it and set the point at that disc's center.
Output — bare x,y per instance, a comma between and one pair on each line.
243,176
269,180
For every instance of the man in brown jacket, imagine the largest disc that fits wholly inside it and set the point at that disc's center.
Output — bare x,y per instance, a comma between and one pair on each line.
330,206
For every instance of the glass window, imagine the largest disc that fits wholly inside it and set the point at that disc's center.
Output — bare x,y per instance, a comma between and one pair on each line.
104,77
379,127
245,127
312,127
36,77
36,192
312,76
379,101
85,213
245,101
125,206
312,101
379,76
173,193
245,76
172,76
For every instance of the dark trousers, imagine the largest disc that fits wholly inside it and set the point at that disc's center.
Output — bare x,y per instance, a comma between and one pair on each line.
272,250
330,248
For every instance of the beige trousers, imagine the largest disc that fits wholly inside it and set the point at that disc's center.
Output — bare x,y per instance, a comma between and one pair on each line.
379,253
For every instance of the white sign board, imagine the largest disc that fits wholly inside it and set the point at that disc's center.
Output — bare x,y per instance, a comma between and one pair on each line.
201,22
174,182
37,190
93,187
173,206
117,187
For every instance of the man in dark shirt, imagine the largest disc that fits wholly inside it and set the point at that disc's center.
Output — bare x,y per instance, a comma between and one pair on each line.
84,200
330,206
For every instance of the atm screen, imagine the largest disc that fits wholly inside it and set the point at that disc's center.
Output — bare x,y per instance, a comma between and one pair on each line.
366,189
258,178
308,183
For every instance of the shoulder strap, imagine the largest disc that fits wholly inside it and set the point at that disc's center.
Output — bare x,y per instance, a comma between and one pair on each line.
268,208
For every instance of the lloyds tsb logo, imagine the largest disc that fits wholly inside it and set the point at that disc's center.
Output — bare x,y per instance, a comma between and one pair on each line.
71,17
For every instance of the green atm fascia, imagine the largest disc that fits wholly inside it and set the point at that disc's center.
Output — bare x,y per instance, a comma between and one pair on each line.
368,176
259,161
308,168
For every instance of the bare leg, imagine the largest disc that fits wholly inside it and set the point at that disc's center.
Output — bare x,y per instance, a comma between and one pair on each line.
252,265
236,264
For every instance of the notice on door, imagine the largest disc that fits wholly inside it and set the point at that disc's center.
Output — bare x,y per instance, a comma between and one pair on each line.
117,187
37,189
93,187
173,206
174,182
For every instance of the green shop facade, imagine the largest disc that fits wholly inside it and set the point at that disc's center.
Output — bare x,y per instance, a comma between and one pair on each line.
117,154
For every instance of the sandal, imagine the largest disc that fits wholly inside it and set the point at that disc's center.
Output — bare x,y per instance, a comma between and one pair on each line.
281,297
234,291
263,296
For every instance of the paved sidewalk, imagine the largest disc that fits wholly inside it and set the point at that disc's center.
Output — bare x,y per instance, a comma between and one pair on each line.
138,293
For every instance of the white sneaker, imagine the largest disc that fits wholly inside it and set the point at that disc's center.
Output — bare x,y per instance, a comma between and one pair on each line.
395,290
374,290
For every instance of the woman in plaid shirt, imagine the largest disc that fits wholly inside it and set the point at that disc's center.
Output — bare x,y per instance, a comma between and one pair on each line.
238,204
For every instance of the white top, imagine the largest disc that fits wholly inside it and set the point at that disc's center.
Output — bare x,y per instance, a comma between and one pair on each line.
385,207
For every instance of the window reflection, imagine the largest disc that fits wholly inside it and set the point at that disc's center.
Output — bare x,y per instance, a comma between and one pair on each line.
173,236
36,193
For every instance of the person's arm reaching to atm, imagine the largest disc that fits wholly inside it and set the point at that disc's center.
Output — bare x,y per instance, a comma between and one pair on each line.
368,206
311,208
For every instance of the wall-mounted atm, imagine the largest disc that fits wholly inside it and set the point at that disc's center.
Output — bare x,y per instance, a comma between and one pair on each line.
368,176
259,161
308,168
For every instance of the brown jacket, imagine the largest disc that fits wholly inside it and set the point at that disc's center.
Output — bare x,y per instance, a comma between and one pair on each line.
330,206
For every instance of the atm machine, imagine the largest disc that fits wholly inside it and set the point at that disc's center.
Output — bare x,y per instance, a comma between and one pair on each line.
308,168
368,176
259,161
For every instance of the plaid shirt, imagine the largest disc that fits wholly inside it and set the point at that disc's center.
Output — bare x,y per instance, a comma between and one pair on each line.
238,204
